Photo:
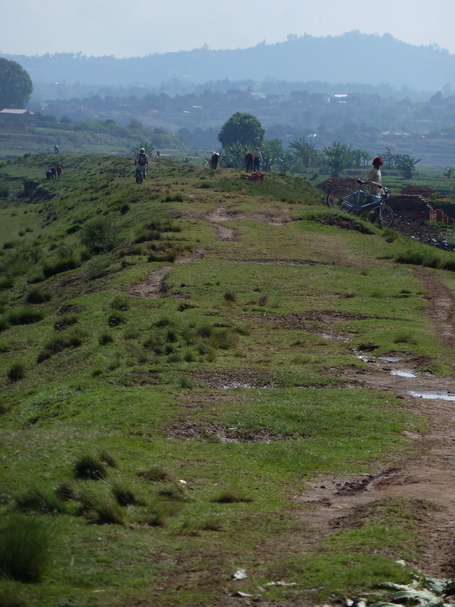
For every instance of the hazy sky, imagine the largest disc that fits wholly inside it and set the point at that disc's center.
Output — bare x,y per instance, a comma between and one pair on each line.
130,29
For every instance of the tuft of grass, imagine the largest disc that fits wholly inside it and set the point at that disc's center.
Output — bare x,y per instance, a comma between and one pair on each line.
36,296
230,296
231,497
156,474
58,344
105,338
115,319
90,467
39,498
99,235
124,494
100,507
107,458
10,598
65,321
405,337
24,545
24,316
16,372
120,303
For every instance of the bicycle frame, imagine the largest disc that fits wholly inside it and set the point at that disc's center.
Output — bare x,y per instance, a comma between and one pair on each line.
351,202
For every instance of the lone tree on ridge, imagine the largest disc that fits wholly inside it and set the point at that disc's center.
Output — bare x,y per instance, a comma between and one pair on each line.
15,85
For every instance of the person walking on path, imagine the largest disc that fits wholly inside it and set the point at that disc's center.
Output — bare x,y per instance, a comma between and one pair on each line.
257,159
142,162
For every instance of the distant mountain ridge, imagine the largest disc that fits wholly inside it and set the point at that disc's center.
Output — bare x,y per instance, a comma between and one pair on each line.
351,57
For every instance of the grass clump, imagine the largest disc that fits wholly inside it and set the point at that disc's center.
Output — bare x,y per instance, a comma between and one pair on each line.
120,303
155,474
124,494
36,296
65,321
24,544
24,316
40,499
100,507
105,338
90,467
58,344
16,372
99,235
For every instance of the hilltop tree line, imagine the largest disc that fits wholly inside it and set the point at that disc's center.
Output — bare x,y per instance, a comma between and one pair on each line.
243,132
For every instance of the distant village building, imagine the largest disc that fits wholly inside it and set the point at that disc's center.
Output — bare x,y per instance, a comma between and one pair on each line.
16,121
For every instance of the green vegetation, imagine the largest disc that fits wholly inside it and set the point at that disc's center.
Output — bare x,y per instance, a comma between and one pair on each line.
191,383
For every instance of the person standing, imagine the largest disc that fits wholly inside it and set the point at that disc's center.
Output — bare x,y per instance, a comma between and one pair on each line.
59,171
142,162
257,159
375,178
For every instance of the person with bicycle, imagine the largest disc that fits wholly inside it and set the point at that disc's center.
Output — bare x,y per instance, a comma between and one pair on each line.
374,180
142,162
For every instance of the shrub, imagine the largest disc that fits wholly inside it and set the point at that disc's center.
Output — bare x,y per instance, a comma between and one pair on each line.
24,544
16,372
36,296
90,467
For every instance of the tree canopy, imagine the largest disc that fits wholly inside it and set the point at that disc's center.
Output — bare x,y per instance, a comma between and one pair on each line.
242,128
15,85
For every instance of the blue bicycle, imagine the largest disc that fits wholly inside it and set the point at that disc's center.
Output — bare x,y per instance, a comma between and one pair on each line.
360,201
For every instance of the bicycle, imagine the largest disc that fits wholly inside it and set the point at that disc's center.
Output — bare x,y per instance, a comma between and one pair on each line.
354,202
139,175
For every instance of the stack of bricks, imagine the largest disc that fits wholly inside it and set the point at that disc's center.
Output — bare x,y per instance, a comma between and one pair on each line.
440,216
416,207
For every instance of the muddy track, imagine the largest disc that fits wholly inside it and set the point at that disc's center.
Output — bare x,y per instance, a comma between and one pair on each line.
426,475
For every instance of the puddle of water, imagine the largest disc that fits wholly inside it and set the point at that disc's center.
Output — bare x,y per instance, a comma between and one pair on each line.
331,336
403,373
389,359
366,359
440,395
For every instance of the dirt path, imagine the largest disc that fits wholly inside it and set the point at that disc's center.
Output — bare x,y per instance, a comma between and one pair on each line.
428,474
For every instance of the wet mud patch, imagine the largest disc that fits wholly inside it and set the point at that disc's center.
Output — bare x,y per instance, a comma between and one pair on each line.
246,379
273,220
325,317
342,222
280,262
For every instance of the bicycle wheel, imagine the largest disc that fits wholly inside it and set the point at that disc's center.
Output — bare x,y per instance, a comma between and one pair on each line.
342,199
383,217
139,177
